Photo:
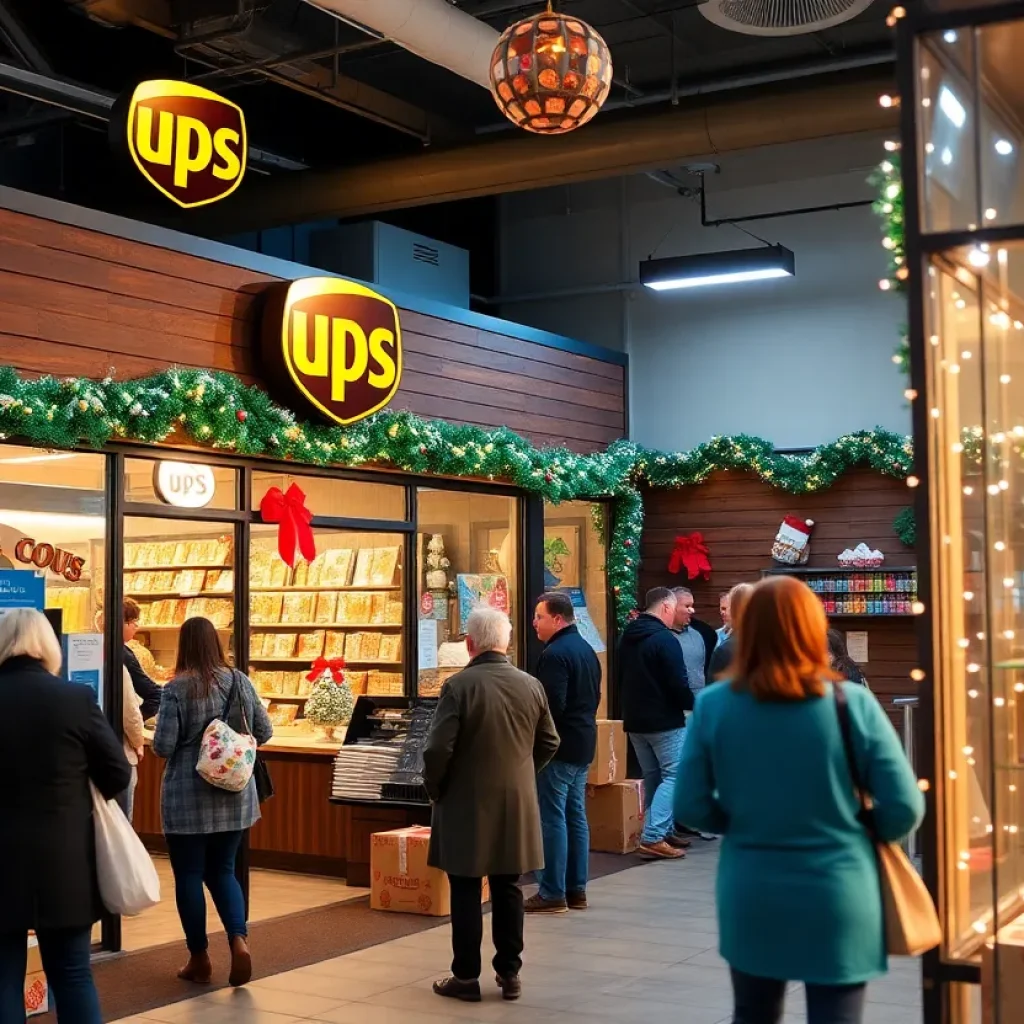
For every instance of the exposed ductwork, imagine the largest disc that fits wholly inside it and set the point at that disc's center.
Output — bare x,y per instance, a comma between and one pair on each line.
616,146
432,29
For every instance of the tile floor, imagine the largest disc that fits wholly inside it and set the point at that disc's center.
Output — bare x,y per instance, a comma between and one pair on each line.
271,894
646,950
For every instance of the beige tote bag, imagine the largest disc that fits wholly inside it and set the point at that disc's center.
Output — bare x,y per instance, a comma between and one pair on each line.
911,923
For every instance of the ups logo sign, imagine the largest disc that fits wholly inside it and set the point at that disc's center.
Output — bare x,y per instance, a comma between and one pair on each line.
189,142
334,343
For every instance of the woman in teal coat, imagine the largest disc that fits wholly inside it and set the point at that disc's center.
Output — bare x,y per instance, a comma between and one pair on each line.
764,766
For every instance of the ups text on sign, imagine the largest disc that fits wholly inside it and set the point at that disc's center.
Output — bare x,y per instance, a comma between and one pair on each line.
336,344
189,142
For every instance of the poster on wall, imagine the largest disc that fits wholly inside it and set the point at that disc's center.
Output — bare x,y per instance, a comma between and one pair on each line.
83,656
475,589
584,623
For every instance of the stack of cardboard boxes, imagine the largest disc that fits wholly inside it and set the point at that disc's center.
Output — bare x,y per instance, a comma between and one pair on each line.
36,991
615,805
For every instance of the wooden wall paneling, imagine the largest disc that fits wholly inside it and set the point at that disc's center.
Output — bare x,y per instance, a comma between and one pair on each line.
739,516
101,303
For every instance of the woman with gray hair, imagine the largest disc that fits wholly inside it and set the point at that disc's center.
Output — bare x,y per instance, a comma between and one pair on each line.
54,740
492,733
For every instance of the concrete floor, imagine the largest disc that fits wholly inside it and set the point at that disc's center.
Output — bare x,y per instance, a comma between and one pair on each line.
645,951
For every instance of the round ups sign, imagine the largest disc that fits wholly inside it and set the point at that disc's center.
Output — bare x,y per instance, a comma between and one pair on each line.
333,344
188,142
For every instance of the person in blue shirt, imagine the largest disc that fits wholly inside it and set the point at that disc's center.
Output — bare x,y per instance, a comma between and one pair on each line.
798,891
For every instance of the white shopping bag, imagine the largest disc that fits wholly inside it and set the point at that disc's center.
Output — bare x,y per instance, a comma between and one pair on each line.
128,880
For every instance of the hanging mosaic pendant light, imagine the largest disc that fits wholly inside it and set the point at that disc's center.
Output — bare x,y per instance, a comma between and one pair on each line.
550,73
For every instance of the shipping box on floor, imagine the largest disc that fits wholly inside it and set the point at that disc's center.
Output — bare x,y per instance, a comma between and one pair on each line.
400,879
616,816
37,995
1006,961
609,764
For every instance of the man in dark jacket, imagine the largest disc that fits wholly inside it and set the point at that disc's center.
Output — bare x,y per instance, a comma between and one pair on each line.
655,698
144,686
492,732
571,676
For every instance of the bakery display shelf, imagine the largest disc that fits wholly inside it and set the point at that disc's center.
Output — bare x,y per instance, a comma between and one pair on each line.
177,568
320,590
136,594
175,629
308,660
263,626
283,696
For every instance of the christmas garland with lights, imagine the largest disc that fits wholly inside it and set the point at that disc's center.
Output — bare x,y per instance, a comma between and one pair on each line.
219,411
888,206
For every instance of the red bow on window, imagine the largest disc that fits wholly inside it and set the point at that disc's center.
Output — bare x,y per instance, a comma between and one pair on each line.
289,510
691,554
322,664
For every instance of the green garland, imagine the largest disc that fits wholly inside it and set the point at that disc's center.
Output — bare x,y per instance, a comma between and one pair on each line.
905,527
888,184
217,410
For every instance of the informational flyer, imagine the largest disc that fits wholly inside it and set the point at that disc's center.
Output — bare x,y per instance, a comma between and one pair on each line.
21,588
857,645
427,643
83,653
584,623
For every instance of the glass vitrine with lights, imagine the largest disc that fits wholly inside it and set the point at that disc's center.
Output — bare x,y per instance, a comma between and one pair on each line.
962,94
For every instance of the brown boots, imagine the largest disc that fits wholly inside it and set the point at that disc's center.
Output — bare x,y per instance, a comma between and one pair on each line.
199,969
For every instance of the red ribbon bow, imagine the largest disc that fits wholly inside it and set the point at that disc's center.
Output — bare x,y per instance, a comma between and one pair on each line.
691,554
289,510
322,664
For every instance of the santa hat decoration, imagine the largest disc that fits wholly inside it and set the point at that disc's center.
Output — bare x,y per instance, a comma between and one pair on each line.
793,541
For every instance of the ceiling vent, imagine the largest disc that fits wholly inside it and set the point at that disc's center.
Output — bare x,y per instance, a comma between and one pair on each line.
781,17
426,254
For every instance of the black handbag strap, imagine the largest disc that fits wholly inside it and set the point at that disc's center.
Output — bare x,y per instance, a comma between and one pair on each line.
865,815
233,695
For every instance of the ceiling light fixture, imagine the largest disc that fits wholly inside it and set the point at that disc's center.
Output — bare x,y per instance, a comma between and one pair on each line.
1004,147
704,269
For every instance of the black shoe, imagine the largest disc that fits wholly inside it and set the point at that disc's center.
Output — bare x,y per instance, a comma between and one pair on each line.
680,842
683,831
511,987
577,900
452,988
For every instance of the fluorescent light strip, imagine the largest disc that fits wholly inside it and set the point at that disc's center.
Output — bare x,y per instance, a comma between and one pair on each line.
952,107
23,460
699,282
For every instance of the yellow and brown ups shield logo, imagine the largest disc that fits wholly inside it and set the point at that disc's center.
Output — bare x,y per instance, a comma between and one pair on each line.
333,343
189,142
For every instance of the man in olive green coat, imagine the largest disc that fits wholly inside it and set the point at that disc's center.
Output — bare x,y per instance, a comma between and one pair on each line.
491,734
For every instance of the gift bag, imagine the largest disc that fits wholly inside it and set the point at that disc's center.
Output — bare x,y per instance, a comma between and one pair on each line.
127,878
793,541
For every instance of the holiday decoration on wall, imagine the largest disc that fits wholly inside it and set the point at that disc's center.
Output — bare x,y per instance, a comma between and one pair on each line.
793,541
550,73
217,410
861,557
331,703
294,533
889,207
905,527
690,553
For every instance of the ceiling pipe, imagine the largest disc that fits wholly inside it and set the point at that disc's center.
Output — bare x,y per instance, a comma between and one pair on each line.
431,29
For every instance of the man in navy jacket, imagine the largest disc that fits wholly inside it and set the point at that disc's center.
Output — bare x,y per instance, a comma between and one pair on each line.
570,673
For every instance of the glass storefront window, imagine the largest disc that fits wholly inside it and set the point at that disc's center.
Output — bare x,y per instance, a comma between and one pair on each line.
468,553
180,482
53,521
340,499
575,549
346,603
176,570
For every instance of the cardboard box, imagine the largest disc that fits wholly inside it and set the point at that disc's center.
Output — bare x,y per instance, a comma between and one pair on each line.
609,764
37,995
1004,960
401,880
616,816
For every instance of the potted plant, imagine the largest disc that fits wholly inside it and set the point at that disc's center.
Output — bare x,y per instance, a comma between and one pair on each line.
331,703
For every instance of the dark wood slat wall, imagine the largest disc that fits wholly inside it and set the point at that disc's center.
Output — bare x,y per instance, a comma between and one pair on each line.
739,517
103,303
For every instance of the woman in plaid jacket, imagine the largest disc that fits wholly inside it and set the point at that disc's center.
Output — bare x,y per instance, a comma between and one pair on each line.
204,825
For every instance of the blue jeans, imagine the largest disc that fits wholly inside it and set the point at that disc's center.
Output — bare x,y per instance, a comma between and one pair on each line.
563,819
209,859
65,954
658,754
762,1001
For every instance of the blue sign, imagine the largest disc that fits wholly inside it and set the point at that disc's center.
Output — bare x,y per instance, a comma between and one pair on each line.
21,588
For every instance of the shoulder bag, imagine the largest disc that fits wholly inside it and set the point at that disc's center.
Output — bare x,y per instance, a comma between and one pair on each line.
236,719
227,755
911,923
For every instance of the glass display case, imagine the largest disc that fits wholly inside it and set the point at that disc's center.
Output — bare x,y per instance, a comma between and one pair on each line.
962,95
